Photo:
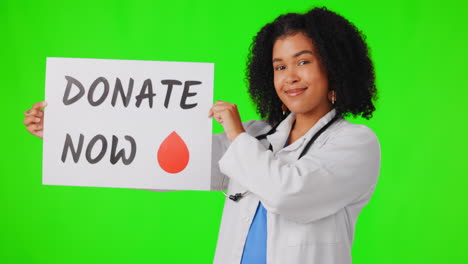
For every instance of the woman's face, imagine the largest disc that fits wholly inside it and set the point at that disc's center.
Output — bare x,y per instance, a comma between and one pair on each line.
300,80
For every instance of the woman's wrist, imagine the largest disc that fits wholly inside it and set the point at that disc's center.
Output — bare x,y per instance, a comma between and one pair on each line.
233,135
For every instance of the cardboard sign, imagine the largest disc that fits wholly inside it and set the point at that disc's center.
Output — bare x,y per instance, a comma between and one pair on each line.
133,124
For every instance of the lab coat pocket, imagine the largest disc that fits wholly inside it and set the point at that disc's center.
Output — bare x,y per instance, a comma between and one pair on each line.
322,231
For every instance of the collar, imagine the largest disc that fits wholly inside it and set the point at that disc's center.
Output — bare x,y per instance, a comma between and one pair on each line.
278,139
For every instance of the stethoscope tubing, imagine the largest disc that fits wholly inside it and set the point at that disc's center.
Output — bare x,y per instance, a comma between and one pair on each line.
236,197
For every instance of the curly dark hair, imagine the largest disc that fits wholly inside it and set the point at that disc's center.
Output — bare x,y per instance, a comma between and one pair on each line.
341,49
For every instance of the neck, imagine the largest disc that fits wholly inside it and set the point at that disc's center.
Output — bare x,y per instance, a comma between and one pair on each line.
305,121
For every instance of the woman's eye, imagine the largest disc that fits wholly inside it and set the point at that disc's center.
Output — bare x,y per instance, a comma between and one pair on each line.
279,68
303,62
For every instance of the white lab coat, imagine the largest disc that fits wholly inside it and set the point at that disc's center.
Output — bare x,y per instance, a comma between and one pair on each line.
312,204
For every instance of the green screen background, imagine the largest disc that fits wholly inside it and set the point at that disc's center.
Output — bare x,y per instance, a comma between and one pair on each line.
418,213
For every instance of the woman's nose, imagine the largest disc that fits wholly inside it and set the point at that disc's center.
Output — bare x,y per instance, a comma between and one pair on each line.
292,76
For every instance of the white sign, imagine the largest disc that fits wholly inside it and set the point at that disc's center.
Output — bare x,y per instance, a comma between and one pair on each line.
133,124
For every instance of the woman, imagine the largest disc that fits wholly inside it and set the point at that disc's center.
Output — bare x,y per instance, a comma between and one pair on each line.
297,181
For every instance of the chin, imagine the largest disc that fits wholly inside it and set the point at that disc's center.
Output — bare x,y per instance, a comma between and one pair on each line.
302,108
299,110
309,111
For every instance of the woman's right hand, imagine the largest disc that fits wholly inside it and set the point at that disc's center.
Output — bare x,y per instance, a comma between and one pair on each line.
34,119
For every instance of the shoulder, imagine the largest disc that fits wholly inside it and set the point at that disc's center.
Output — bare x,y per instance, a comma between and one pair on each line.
346,128
351,146
348,134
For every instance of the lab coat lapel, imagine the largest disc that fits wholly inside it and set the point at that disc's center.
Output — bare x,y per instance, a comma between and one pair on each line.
278,139
320,123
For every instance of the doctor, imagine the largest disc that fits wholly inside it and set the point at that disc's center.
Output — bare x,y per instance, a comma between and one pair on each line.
297,181
297,189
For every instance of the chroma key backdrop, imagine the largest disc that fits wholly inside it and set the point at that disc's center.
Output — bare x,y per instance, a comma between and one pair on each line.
419,211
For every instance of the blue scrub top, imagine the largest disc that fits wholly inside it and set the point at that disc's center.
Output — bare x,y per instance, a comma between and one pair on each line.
255,244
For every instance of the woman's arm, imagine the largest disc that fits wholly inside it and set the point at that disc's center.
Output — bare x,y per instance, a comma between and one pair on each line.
219,181
324,181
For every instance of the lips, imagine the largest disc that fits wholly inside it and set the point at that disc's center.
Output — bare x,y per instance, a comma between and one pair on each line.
295,92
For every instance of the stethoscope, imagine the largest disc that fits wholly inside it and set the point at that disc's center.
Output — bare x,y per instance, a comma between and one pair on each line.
236,197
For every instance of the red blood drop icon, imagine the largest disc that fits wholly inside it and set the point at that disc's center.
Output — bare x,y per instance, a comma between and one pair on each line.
173,154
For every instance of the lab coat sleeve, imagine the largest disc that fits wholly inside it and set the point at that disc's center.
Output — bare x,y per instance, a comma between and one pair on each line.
220,143
322,182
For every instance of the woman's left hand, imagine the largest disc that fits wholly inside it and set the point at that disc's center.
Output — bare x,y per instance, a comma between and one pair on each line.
228,116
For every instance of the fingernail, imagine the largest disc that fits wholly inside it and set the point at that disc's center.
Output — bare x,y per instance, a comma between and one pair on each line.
44,104
39,127
37,119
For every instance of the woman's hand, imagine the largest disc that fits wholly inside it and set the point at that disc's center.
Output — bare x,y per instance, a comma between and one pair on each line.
34,119
228,116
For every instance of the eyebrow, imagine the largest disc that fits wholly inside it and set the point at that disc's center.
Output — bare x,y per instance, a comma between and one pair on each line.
295,55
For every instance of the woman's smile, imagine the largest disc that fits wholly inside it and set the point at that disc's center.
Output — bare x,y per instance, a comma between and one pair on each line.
295,92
